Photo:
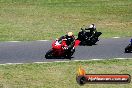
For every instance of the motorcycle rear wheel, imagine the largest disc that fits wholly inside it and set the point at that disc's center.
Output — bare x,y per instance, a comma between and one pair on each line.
70,53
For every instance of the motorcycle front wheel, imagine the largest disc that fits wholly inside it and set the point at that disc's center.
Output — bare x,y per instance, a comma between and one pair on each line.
49,54
94,40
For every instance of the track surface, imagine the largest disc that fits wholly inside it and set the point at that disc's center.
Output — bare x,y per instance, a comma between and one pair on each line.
34,51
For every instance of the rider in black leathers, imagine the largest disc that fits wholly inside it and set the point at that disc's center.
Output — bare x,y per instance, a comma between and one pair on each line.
92,29
70,39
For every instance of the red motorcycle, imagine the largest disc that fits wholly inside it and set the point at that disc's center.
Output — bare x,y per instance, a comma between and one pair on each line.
58,49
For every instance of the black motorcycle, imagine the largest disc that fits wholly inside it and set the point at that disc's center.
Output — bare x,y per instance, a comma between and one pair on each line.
128,49
87,38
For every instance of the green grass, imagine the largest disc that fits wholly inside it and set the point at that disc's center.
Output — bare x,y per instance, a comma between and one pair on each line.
61,75
48,19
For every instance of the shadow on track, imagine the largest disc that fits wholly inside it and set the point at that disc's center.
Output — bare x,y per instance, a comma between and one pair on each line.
60,58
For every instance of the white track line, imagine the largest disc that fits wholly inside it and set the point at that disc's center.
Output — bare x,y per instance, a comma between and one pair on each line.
122,58
65,61
88,60
11,63
42,40
26,41
116,37
41,62
62,61
13,41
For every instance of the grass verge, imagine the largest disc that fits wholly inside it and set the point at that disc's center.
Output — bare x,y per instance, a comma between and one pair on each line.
61,75
48,19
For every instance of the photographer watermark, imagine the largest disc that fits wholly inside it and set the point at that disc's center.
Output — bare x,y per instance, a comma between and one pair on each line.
83,78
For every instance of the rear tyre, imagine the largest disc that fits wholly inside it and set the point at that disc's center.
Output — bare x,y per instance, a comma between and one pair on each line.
68,56
49,54
70,53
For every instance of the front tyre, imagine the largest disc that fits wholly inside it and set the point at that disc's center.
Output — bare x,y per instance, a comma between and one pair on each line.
49,54
94,40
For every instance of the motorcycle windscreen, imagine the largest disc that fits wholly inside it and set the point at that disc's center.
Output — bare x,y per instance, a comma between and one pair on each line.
56,45
77,42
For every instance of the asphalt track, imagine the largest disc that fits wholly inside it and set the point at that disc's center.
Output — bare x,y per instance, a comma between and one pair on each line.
34,51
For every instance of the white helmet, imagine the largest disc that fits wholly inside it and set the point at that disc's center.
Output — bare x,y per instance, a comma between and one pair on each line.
92,26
